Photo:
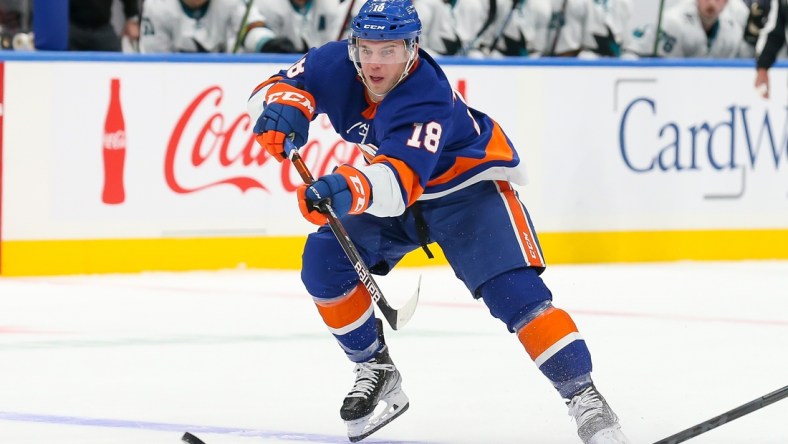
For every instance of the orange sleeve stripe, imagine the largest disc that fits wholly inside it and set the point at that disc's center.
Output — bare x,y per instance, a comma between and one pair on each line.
407,177
497,149
346,309
545,330
526,235
271,80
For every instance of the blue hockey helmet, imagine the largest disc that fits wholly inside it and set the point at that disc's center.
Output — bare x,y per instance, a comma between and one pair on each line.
386,20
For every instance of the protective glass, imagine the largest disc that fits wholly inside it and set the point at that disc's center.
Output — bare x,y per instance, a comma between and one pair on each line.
379,51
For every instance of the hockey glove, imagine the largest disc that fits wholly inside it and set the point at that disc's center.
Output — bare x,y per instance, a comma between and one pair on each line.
759,13
280,45
347,191
288,111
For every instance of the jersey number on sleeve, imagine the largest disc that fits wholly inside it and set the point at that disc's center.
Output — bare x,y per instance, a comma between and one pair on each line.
432,136
297,68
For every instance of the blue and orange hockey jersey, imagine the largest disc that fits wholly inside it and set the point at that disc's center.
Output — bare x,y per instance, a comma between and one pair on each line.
420,142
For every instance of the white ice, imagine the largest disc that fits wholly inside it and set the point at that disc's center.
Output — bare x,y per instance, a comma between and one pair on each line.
241,356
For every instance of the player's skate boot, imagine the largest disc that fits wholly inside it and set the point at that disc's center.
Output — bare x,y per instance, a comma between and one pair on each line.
378,382
596,422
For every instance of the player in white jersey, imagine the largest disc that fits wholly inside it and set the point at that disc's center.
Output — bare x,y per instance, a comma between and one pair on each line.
565,31
606,27
588,28
741,14
692,28
205,26
515,28
347,10
306,23
449,26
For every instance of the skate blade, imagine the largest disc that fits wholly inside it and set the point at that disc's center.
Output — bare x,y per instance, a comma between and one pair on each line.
359,429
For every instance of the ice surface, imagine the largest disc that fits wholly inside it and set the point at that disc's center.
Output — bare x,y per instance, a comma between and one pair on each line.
241,356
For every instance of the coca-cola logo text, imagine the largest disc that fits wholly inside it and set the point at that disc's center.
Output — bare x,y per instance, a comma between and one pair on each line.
221,144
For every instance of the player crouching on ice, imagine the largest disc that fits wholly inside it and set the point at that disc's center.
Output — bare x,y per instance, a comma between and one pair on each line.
436,171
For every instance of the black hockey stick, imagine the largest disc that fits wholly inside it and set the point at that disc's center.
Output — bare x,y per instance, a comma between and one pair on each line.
345,22
395,317
491,13
726,417
499,34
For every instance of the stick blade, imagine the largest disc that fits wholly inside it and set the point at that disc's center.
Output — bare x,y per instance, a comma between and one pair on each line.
403,314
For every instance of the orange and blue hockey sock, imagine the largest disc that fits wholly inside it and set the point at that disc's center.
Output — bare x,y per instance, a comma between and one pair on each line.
522,300
351,319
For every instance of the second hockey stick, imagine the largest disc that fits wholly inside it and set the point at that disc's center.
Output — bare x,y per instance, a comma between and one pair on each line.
499,33
491,13
726,417
560,27
241,34
659,27
346,22
395,317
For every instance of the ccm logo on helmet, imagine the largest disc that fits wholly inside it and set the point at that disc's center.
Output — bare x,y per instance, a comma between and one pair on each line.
378,27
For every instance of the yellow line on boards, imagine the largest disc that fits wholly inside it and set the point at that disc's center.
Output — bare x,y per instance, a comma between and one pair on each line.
58,257
663,246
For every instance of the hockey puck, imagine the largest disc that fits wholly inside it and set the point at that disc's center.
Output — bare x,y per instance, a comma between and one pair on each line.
191,439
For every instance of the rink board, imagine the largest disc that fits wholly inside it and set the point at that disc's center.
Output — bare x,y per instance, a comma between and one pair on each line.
627,161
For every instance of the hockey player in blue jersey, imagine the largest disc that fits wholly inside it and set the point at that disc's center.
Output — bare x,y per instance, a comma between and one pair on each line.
436,171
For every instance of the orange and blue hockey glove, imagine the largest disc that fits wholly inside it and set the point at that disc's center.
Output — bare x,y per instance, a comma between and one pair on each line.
347,191
288,111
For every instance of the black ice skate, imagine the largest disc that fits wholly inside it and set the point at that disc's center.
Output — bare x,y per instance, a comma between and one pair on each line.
596,422
376,398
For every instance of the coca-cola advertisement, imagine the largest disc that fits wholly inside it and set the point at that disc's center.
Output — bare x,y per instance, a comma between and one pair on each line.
165,152
209,149
151,150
